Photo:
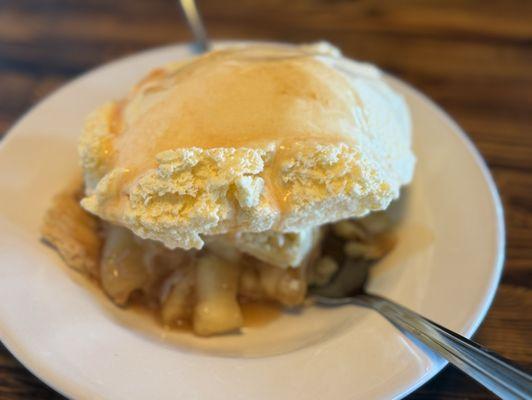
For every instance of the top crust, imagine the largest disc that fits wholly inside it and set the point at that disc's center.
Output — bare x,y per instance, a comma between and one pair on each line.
248,139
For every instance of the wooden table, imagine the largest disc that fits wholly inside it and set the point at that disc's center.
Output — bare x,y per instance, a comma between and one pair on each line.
472,57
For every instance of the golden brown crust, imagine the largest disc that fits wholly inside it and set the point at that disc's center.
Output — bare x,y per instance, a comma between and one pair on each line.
72,231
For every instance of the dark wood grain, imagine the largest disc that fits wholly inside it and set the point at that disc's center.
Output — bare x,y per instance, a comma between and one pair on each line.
472,57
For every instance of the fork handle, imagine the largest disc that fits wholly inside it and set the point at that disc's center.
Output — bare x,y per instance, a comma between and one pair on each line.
483,365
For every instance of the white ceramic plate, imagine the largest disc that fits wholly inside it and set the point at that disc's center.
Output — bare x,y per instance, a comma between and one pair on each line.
446,266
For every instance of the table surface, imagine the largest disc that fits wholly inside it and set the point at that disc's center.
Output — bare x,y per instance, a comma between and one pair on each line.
472,57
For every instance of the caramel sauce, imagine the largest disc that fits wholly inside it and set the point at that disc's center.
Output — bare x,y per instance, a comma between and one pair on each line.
255,314
258,314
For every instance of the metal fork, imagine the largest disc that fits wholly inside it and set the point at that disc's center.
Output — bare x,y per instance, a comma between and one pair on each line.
201,43
482,364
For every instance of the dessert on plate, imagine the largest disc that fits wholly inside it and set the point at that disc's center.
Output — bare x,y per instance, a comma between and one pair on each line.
246,174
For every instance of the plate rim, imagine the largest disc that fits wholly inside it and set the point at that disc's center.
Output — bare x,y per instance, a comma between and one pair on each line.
52,380
500,221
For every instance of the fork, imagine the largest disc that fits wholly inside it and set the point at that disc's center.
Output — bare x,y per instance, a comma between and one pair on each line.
482,364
